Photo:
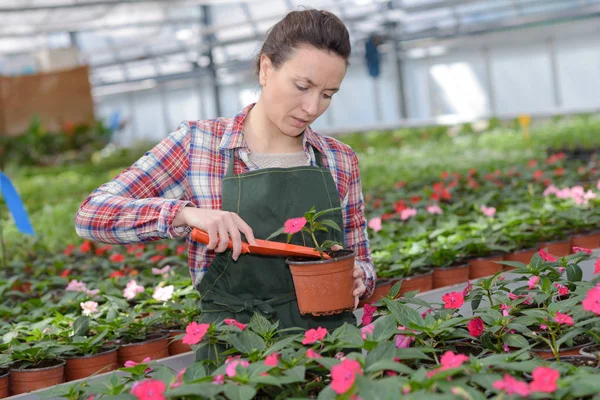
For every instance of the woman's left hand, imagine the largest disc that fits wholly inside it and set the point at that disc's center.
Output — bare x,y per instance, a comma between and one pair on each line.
359,282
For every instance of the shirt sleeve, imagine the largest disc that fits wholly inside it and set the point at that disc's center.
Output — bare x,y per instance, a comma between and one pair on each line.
140,204
355,227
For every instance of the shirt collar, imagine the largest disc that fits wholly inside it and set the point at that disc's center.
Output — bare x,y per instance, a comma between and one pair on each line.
233,134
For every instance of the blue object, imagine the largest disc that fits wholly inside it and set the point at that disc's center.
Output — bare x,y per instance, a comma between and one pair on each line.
114,121
373,57
15,205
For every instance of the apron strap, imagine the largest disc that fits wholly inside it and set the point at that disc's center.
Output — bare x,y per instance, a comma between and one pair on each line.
227,302
230,167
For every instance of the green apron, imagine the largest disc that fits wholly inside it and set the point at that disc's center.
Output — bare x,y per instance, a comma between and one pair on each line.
265,199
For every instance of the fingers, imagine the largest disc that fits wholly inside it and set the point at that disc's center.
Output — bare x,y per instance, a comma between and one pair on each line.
244,228
359,287
223,238
213,235
236,239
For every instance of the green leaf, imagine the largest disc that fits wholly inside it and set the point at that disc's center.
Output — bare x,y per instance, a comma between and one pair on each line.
574,273
404,314
381,389
385,351
395,290
81,326
281,344
321,213
331,224
207,389
194,372
384,328
246,342
239,392
516,264
120,303
391,365
276,233
260,324
514,340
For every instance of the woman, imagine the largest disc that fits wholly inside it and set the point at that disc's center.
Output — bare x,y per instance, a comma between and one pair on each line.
247,175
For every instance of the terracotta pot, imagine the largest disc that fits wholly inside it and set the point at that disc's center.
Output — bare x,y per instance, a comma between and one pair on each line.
523,256
4,380
558,248
28,380
156,347
82,367
449,276
323,287
177,346
588,240
485,266
421,282
382,288
571,351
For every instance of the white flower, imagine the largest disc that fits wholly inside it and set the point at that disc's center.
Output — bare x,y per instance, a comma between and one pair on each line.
89,307
163,293
132,289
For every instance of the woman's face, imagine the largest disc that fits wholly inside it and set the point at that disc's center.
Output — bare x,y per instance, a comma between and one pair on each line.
300,90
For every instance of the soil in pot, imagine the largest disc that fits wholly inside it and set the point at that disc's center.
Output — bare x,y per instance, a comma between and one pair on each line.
588,240
542,351
449,276
176,346
84,366
485,266
522,256
578,361
421,282
324,287
155,347
49,373
558,248
4,380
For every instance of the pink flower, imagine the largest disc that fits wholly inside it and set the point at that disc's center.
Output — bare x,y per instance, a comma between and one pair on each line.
161,271
149,389
505,309
271,360
195,332
131,364
597,266
434,209
512,386
561,269
218,380
132,289
475,327
407,213
513,296
178,379
310,353
467,289
564,319
453,300
367,330
231,321
450,360
403,341
551,189
547,256
230,371
562,290
428,311
375,224
314,335
488,211
344,374
76,286
506,348
294,225
544,380
592,300
543,327
367,317
89,308
533,281
581,250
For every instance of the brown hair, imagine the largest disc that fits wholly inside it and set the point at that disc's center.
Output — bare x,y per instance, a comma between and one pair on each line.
320,29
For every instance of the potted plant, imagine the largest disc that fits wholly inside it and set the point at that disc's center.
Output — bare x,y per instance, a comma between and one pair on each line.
141,338
5,362
176,316
448,266
313,278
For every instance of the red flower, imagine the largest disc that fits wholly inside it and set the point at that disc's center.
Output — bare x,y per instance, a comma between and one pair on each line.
512,386
103,249
532,163
85,247
453,300
65,273
181,250
438,186
271,360
156,258
310,353
233,322
445,195
386,216
537,175
559,171
472,171
450,360
544,380
195,332
400,206
592,300
444,175
116,274
582,250
149,389
564,319
562,290
368,312
597,266
161,247
415,199
344,374
547,256
476,327
294,225
69,250
435,197
117,257
314,335
377,203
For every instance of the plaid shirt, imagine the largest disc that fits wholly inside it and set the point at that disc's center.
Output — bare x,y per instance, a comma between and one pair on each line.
186,168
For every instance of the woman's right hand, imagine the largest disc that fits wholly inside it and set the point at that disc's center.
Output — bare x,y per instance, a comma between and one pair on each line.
218,224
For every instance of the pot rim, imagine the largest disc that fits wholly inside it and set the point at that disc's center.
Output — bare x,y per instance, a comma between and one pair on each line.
415,276
584,348
574,356
317,262
535,249
581,346
586,234
112,349
61,364
566,240
460,266
6,374
492,255
161,336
